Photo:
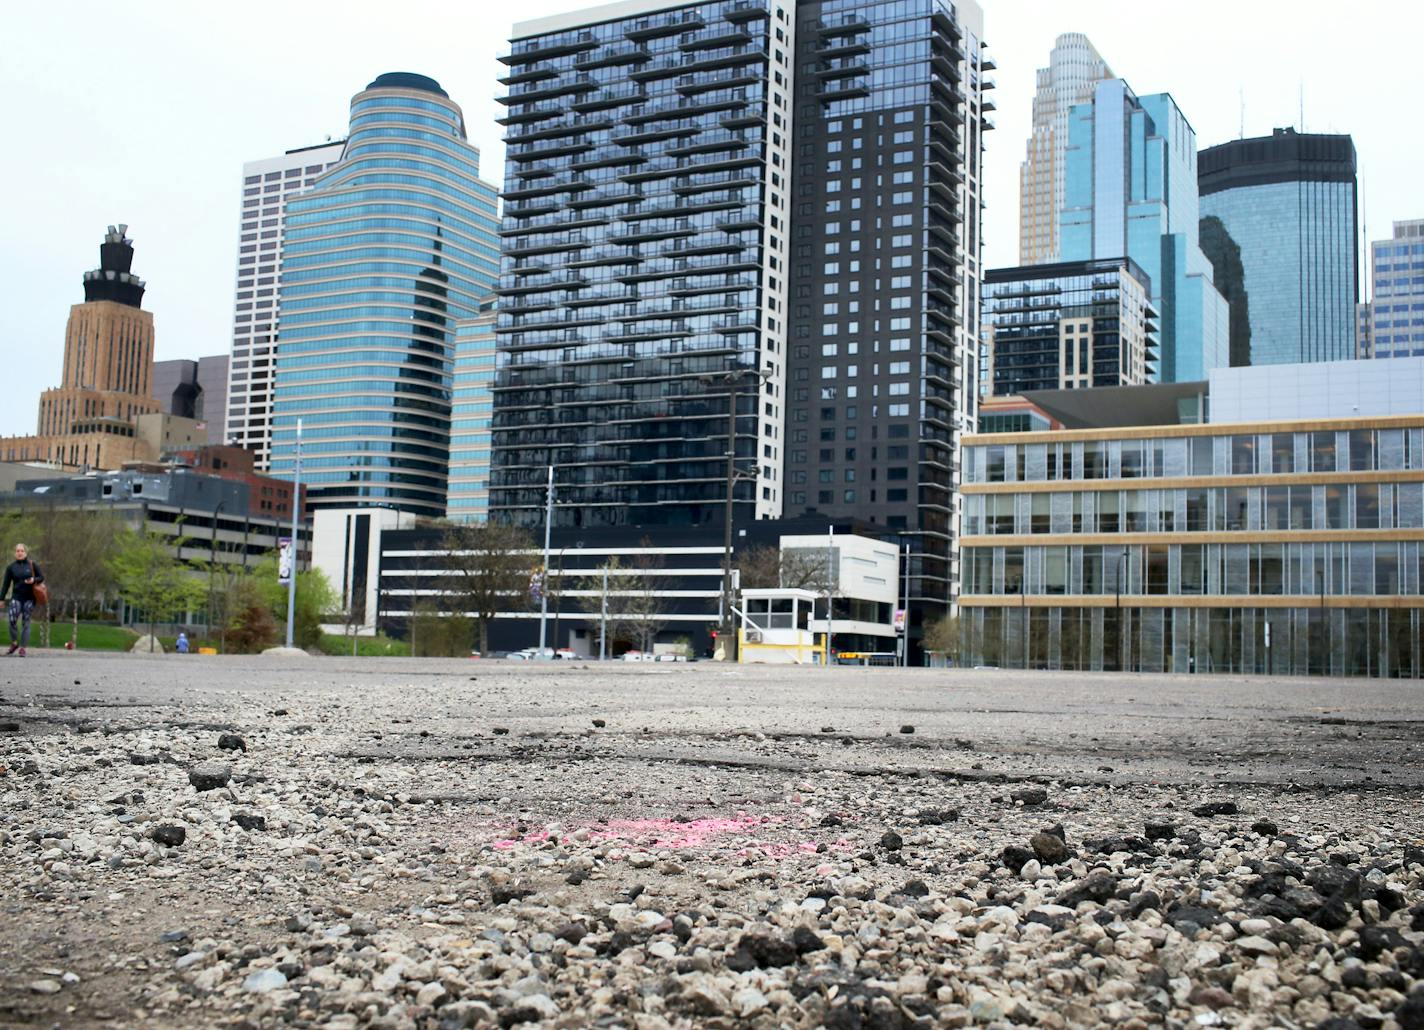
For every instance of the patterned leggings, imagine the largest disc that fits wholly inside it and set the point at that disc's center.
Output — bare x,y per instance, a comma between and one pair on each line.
20,612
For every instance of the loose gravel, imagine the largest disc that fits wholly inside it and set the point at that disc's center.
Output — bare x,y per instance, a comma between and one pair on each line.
192,842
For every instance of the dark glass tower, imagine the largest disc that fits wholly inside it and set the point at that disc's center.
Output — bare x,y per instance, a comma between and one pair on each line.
645,246
1287,203
890,115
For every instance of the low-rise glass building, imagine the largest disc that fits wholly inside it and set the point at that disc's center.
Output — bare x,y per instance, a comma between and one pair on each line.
1271,547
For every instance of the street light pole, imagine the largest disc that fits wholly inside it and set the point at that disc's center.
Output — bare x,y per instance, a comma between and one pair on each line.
544,581
213,564
1121,574
296,512
727,632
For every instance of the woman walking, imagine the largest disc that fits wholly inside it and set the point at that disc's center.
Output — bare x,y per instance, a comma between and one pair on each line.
23,574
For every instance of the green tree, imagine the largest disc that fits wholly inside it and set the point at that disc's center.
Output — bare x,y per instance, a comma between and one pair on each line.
315,598
489,566
151,579
250,627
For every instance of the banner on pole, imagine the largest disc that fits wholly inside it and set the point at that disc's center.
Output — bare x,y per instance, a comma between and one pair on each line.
285,558
899,620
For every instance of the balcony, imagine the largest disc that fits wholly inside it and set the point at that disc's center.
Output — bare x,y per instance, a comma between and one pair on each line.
551,224
595,257
557,88
537,112
632,139
528,75
630,334
842,69
631,236
683,248
607,98
532,209
525,53
562,241
841,48
537,152
842,90
745,11
708,141
549,185
612,56
691,85
607,160
845,25
668,25
710,60
549,284
685,206
727,180
564,321
604,198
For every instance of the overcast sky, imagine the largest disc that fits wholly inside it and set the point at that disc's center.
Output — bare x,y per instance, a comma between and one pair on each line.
144,113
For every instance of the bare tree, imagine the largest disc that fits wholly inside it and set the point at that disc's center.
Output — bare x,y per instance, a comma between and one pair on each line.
944,636
801,568
74,547
635,612
490,566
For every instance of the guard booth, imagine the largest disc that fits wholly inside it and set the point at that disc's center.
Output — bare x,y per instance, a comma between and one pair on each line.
775,627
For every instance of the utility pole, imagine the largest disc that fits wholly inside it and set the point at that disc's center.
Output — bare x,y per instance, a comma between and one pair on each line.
603,619
296,513
830,585
544,580
905,632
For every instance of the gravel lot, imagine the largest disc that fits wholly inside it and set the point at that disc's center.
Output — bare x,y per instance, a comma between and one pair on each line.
195,841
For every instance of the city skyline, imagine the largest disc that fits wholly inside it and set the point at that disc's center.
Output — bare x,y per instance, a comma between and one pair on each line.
223,117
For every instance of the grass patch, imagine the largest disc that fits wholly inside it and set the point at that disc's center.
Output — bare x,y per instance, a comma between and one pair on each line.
93,636
366,647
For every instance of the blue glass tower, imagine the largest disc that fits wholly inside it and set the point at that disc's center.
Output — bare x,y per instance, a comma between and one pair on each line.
1132,192
382,256
1287,201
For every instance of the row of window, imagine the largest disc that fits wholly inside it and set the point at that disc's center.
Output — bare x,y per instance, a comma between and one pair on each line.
1198,509
1298,569
1354,450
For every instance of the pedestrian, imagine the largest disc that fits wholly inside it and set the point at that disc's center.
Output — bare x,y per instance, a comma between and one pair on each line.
21,577
182,644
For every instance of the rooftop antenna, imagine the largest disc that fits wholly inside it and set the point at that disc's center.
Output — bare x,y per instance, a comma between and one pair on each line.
1301,94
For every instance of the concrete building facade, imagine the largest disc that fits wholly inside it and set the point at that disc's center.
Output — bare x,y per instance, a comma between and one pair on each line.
1397,293
267,185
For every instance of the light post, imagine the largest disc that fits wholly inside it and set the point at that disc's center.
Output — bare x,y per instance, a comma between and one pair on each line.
296,540
733,379
544,579
1121,575
559,601
1324,622
213,566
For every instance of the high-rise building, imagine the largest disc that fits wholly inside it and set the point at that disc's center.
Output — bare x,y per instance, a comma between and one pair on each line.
1074,66
646,257
1284,207
267,185
1132,192
386,251
1397,292
88,421
652,249
1067,326
1364,330
472,408
891,107
196,389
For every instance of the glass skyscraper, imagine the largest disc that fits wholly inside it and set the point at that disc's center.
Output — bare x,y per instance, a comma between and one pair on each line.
381,257
1132,192
646,242
1288,202
472,411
